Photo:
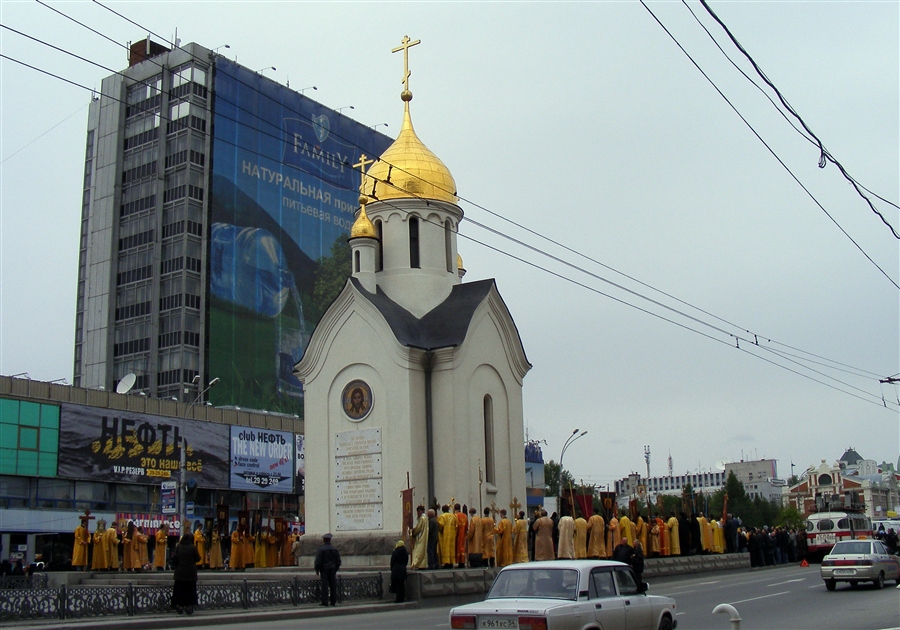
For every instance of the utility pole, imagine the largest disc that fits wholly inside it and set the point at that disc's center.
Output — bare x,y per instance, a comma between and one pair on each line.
647,485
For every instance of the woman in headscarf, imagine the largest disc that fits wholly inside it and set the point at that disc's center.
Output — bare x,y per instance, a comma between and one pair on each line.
185,560
399,560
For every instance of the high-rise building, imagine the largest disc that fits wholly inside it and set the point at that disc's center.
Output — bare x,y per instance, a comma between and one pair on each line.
215,212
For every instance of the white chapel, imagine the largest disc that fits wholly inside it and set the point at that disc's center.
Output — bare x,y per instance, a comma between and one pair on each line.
412,376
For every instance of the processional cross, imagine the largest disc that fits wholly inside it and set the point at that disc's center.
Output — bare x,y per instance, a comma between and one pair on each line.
405,45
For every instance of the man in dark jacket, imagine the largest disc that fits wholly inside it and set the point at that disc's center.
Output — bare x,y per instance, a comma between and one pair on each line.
433,530
328,561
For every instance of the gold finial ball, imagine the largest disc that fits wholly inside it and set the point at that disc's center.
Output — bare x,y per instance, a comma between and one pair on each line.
363,200
406,96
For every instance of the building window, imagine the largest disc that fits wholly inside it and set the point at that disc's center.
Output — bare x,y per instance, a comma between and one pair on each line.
356,261
488,439
414,243
379,262
448,245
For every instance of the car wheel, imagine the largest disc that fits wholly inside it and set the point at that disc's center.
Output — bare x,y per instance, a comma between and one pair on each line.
830,584
665,623
879,581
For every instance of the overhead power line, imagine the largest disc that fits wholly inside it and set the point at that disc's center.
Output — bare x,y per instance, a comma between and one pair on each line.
824,155
766,144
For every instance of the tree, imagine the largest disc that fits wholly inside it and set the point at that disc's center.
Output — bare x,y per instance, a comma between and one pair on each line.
331,275
790,517
734,488
551,478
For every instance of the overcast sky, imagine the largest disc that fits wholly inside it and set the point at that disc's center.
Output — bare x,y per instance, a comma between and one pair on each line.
585,123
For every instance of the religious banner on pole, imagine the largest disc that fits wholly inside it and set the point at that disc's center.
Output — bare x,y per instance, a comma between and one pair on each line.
407,502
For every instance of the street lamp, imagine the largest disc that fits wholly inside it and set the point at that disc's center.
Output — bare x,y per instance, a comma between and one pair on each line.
575,435
182,506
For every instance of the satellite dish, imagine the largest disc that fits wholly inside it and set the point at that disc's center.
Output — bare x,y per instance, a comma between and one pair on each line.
721,464
126,384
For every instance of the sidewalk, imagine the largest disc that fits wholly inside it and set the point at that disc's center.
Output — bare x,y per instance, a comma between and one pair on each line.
213,617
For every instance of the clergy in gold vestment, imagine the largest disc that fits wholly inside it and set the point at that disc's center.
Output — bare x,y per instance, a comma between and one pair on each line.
129,559
520,539
543,539
271,548
613,535
674,544
200,544
487,537
654,548
236,557
503,532
111,546
664,548
705,534
159,553
215,550
100,561
566,538
259,550
640,531
80,550
475,540
420,537
141,548
248,549
447,537
462,530
597,531
626,528
580,537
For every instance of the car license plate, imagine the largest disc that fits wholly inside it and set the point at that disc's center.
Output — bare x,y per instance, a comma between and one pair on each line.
499,623
844,572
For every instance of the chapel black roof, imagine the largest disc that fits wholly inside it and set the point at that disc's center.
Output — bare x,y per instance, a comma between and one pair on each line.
851,457
444,326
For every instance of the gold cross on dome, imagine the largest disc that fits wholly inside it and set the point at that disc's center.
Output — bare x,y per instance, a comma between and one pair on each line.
405,45
361,165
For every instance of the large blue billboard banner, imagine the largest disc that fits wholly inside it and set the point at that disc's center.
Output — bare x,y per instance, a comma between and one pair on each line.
284,194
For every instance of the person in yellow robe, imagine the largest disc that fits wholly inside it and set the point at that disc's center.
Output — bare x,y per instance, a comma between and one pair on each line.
259,550
100,561
626,527
613,535
161,551
520,539
248,548
674,544
271,548
420,538
200,544
543,538
462,530
80,550
447,537
654,548
503,532
580,537
215,550
596,527
129,559
705,534
111,546
141,549
566,548
665,549
487,538
236,556
474,540
640,531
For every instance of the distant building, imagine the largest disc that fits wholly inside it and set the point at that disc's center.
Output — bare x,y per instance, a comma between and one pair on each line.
852,483
213,201
759,477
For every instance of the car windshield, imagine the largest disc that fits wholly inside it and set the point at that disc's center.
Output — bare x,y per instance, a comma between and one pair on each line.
535,583
850,547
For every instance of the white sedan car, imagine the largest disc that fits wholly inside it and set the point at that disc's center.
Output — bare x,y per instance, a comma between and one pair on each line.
563,594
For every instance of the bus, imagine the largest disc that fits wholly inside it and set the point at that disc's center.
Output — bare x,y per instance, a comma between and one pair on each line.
823,529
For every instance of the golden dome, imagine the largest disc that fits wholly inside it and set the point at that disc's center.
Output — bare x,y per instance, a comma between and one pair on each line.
362,227
408,169
459,264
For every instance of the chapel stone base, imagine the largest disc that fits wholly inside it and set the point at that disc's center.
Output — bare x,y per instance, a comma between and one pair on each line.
357,549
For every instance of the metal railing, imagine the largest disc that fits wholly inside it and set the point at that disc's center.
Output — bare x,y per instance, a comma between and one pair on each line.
101,601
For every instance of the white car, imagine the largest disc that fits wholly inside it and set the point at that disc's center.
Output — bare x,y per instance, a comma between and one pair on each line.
858,561
563,594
